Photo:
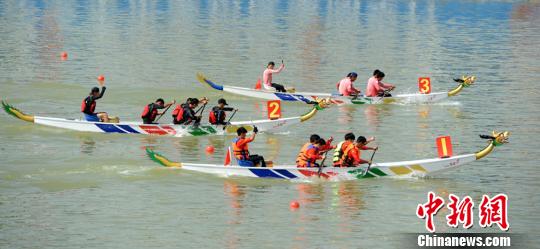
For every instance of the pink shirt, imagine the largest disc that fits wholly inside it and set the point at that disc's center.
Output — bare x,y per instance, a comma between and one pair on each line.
345,87
267,75
374,87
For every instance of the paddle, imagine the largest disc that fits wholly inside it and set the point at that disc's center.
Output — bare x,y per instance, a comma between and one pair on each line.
232,115
201,109
370,162
322,164
163,113
385,92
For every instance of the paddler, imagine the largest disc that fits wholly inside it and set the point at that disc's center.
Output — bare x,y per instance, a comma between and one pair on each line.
217,114
345,86
309,156
240,147
88,105
312,139
343,146
267,77
185,113
375,86
150,111
351,154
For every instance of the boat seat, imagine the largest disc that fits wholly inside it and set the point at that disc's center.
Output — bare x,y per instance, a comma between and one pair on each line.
245,163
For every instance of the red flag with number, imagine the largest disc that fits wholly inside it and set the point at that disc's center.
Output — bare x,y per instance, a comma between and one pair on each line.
228,157
258,85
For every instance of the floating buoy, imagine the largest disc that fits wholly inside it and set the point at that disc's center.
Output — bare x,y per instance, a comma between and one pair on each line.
64,55
210,149
101,77
294,205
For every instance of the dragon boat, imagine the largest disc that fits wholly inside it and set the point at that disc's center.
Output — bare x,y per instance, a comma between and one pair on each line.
162,129
309,97
415,168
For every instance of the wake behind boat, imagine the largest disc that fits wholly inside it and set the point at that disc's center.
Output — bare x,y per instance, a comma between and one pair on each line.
415,168
161,129
309,97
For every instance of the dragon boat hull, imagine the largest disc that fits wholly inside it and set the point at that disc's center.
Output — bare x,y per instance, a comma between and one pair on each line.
415,168
308,97
159,129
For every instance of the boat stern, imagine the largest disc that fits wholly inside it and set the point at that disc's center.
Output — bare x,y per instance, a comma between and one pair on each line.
207,82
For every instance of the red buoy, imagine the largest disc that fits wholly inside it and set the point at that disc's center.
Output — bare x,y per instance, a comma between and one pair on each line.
64,55
210,149
101,77
294,205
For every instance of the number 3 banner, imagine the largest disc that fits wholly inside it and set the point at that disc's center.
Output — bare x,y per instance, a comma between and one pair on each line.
424,85
274,109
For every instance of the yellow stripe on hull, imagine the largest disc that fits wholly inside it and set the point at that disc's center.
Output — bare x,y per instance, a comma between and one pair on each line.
401,170
418,167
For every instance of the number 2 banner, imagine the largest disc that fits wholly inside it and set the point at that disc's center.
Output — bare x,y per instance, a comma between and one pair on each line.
274,109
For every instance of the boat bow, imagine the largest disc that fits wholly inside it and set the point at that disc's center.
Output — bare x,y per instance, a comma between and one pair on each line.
16,112
156,157
465,81
321,104
495,139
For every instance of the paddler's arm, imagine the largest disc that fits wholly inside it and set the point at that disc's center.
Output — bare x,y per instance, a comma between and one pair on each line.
313,155
103,88
255,131
357,160
165,106
370,148
281,67
387,86
203,100
228,109
242,142
369,140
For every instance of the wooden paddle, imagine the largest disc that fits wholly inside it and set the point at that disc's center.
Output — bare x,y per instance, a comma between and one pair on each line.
370,162
383,95
201,109
163,113
227,123
322,164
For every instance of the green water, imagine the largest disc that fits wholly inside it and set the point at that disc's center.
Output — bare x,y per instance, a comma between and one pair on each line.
64,189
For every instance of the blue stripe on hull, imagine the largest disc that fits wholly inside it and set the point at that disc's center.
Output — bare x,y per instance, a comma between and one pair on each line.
285,173
285,97
128,128
265,173
109,128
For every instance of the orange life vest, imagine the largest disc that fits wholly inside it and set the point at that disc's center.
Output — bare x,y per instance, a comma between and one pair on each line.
302,153
303,159
338,152
88,105
149,112
346,159
241,153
